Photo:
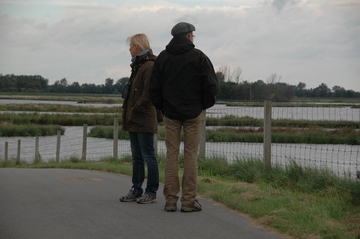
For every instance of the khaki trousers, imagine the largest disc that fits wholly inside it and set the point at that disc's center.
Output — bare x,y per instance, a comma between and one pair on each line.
191,130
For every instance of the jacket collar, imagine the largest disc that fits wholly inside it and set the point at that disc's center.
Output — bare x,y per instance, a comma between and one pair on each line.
179,45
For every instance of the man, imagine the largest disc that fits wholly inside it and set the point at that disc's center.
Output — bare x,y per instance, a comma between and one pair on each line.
182,84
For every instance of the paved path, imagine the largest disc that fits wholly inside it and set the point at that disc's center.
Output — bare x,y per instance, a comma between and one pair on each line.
73,204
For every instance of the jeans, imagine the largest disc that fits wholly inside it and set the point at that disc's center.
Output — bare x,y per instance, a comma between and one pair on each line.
192,129
142,149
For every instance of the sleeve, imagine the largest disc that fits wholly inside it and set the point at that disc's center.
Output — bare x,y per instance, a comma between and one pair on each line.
155,91
209,83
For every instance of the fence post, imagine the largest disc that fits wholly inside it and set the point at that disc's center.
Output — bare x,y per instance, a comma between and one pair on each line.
6,151
37,158
58,145
84,144
18,151
202,137
116,138
267,135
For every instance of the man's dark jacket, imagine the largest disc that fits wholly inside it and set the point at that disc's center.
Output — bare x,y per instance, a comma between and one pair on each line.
183,81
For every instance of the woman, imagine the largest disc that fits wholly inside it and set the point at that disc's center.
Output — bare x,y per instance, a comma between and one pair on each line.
139,119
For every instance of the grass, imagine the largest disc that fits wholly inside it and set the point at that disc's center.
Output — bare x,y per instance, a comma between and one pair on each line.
295,201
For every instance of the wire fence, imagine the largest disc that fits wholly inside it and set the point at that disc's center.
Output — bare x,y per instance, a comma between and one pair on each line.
342,159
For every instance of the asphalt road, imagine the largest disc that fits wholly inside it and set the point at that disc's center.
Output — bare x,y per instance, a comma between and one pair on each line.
74,204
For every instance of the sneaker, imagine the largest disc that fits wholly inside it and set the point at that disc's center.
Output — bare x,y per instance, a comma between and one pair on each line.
170,207
132,195
195,208
146,198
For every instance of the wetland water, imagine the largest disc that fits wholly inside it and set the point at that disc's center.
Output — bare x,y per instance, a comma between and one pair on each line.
219,110
342,159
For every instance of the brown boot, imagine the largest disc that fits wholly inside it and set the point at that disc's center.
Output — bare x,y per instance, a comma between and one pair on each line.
195,208
170,207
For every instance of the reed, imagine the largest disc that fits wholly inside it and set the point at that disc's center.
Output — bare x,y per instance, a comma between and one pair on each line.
80,98
9,130
231,120
255,135
59,119
59,108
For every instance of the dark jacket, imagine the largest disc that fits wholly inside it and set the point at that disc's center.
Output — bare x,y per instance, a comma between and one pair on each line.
139,115
183,81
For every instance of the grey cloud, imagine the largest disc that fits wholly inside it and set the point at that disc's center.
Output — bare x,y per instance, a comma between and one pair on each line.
89,45
280,4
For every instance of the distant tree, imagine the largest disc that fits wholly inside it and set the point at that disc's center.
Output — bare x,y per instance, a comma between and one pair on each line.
246,91
226,71
322,91
351,94
230,74
260,90
119,85
283,92
221,77
7,84
236,73
44,83
64,82
273,82
338,91
230,87
74,88
91,89
228,90
300,90
273,78
108,88
59,86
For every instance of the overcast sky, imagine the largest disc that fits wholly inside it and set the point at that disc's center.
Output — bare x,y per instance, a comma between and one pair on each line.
84,41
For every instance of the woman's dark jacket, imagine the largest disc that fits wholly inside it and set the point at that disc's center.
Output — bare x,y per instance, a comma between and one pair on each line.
183,81
139,115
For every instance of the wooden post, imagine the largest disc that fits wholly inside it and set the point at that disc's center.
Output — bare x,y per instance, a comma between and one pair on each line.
37,158
6,151
84,144
58,139
267,135
202,148
18,151
116,138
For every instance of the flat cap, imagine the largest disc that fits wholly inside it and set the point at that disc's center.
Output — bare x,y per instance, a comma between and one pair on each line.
182,27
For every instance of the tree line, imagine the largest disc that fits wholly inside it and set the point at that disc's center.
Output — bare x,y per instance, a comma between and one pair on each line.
230,87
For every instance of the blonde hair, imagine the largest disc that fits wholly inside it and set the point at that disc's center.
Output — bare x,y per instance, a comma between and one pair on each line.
139,39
